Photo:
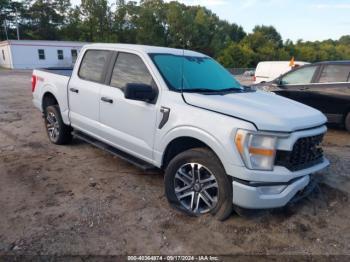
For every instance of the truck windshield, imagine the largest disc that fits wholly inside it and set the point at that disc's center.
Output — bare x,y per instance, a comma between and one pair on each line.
194,73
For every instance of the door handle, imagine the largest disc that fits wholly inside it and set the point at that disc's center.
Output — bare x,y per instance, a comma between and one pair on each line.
74,90
304,88
107,100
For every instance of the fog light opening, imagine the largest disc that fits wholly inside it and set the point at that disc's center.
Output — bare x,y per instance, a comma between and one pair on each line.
271,190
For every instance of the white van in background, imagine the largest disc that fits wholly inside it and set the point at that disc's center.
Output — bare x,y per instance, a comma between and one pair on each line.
270,70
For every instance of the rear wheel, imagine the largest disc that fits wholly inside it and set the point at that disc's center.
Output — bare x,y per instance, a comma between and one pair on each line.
347,122
57,131
196,183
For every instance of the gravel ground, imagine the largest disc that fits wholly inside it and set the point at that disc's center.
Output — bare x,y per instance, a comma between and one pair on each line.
79,200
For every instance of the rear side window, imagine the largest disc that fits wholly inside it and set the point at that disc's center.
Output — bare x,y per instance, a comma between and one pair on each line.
129,68
92,66
335,73
300,76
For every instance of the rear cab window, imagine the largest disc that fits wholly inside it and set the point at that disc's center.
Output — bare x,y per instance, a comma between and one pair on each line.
334,74
93,65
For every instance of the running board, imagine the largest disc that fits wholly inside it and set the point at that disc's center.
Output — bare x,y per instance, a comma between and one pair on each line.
125,156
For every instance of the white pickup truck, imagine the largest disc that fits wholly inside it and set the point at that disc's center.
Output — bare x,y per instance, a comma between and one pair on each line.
221,145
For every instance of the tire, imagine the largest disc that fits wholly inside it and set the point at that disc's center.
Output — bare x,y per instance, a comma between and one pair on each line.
57,131
208,191
347,122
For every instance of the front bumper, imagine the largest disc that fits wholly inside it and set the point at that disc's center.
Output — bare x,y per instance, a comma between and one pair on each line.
252,197
262,195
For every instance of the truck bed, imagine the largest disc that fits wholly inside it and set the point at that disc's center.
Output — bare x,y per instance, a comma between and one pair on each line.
65,71
54,81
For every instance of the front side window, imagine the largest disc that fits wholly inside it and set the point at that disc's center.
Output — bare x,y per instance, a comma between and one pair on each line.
93,64
191,73
130,69
60,54
335,73
299,76
3,55
41,53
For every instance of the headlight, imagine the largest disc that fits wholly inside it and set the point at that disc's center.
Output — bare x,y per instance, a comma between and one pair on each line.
258,151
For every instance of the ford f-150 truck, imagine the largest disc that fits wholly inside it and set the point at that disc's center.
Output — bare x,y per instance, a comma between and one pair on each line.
222,145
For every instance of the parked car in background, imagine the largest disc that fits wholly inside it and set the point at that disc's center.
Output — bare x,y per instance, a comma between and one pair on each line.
270,70
249,73
324,86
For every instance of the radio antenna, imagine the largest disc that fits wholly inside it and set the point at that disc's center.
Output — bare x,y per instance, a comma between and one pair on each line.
182,69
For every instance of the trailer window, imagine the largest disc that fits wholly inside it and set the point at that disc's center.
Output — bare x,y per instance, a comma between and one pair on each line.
41,53
74,54
3,55
92,67
60,54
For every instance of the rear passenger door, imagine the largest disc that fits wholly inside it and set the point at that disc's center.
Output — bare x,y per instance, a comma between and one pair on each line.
331,91
84,90
128,124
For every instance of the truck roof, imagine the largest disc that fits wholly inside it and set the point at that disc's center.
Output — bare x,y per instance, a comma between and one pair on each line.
146,49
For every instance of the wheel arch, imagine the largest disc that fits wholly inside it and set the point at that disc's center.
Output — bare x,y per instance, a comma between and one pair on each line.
48,99
53,95
180,141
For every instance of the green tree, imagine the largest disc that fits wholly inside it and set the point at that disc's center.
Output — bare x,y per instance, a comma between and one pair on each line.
237,55
123,26
10,15
96,16
44,18
74,29
150,23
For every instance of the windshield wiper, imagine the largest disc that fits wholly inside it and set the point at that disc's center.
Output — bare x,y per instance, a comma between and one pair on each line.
233,89
199,90
212,91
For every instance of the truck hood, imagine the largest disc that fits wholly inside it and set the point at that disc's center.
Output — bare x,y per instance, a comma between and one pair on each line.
268,111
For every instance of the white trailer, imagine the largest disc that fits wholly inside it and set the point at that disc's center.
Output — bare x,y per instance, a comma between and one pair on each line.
31,54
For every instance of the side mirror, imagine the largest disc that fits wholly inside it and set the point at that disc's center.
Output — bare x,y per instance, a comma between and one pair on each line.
278,82
140,92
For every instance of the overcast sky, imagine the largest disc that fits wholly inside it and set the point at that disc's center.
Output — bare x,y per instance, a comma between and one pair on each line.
294,19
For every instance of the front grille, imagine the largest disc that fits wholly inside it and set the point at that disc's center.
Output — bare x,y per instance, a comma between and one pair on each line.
306,152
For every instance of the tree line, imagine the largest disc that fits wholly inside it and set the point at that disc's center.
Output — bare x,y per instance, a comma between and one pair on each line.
155,22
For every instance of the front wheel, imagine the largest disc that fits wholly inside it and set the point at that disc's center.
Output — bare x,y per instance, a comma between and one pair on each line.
57,131
196,183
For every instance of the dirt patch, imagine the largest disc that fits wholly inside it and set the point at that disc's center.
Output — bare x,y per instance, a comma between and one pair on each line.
79,200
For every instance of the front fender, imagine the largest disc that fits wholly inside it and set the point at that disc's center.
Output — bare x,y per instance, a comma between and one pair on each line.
226,158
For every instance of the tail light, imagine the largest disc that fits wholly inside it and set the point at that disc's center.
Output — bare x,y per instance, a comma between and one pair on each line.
254,78
33,82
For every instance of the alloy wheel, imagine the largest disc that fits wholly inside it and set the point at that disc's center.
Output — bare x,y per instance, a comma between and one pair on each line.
196,188
52,126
